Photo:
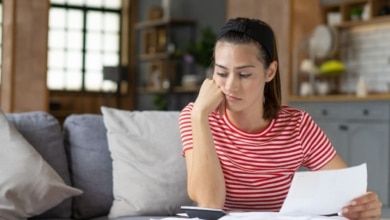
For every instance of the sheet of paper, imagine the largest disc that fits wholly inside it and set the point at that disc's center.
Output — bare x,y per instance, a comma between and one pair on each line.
324,192
173,218
274,216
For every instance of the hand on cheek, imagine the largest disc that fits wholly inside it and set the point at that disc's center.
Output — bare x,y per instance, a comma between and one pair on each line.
210,97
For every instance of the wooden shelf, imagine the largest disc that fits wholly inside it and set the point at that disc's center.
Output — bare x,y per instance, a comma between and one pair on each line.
186,89
160,44
176,89
375,20
151,90
345,8
152,24
154,56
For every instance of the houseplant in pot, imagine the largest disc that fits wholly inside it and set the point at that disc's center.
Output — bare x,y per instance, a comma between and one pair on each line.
201,51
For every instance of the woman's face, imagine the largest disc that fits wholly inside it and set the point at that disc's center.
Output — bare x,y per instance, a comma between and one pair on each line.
241,75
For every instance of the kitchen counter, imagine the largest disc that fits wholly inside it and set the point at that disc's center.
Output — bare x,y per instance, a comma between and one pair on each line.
339,98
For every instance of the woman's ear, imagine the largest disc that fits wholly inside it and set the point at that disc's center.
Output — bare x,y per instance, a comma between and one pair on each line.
271,71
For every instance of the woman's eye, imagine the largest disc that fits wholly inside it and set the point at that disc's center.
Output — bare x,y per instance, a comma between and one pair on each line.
222,74
245,75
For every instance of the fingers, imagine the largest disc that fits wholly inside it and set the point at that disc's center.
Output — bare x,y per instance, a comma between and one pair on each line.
364,214
209,97
369,196
360,216
367,206
221,107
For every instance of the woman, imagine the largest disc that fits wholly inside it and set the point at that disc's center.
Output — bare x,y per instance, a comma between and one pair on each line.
241,146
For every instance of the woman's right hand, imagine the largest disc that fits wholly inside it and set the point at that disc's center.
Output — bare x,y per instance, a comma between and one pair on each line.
206,182
210,97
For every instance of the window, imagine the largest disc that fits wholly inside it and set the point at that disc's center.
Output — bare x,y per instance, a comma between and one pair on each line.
84,36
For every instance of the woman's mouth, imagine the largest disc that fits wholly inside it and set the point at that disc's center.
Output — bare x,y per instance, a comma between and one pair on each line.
232,98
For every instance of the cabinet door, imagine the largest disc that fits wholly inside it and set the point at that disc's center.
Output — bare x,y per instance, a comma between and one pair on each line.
337,133
369,143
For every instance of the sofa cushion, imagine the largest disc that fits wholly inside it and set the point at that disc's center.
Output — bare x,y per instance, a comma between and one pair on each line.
90,164
149,173
50,146
29,185
138,217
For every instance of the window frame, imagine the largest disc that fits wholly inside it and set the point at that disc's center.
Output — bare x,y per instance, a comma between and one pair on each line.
85,9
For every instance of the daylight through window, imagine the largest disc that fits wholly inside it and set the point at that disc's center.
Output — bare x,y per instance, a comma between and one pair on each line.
84,36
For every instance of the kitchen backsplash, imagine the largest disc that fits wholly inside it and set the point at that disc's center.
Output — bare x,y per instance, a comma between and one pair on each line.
365,51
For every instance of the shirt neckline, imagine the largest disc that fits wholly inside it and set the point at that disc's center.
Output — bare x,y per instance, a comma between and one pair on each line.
232,126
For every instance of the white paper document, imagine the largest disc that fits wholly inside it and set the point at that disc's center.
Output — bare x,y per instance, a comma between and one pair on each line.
274,216
324,192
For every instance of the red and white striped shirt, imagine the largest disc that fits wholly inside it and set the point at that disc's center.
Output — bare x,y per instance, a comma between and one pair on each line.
258,167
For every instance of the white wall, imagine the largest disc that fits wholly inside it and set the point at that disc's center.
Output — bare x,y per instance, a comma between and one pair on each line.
366,52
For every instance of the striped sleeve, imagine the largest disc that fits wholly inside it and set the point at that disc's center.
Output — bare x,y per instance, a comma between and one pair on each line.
317,149
186,128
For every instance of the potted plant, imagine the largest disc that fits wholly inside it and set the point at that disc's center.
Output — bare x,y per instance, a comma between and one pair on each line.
356,13
202,50
200,53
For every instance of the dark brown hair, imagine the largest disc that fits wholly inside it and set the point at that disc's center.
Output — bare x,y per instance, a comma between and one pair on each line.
236,31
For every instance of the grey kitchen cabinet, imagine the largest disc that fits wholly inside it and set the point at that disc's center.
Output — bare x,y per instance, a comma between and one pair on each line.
367,143
360,133
338,134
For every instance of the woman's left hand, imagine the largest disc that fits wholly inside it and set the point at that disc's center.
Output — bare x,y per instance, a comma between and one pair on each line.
367,206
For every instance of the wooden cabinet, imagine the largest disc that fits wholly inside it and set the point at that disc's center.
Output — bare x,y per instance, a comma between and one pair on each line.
360,133
160,62
356,12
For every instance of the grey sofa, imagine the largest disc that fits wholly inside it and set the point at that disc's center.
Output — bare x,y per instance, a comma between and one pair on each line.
79,153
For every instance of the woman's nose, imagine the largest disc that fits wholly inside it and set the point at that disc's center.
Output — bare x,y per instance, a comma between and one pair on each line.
231,83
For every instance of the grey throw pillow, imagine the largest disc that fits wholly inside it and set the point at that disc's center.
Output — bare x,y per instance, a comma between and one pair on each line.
149,172
90,164
29,186
43,132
